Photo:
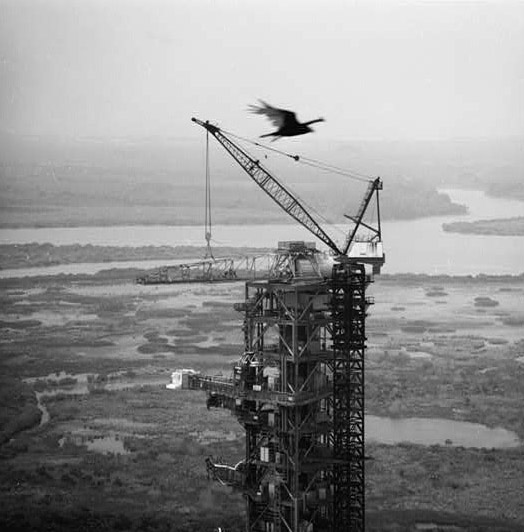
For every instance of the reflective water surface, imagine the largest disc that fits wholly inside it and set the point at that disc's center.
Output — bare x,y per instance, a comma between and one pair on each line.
417,246
110,444
432,431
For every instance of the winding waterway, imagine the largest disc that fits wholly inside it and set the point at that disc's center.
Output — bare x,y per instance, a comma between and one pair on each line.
414,246
390,431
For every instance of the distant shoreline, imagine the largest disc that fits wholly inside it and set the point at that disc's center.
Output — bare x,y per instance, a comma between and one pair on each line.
14,256
23,256
496,227
455,209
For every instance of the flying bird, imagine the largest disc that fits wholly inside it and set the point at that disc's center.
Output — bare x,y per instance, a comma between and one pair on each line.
285,121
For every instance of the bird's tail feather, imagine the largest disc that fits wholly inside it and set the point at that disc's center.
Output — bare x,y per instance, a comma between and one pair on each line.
259,109
256,109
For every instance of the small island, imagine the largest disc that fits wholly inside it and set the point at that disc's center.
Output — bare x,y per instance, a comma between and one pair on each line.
497,227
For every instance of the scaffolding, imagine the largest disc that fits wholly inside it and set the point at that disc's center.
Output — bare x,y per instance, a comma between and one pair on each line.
298,390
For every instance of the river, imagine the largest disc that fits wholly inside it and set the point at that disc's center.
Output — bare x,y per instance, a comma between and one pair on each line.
414,246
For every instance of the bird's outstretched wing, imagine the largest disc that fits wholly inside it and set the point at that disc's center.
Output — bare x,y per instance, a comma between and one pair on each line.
279,117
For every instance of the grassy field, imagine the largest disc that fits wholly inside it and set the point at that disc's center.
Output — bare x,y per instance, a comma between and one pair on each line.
91,438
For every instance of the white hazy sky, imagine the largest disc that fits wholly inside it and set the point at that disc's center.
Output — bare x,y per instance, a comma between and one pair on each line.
386,69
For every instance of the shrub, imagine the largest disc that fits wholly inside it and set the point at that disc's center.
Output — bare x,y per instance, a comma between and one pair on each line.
485,302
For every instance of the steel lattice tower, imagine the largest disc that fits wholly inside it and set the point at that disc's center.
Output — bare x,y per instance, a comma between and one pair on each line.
299,392
298,388
348,313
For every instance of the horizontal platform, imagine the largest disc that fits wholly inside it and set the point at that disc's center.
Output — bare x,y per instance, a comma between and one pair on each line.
227,388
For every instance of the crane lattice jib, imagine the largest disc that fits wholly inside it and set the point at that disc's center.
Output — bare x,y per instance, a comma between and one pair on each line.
373,187
270,185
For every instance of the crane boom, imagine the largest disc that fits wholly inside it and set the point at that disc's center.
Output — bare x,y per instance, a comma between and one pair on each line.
270,185
373,188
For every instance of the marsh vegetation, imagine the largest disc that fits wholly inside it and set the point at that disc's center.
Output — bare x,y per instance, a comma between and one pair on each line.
117,451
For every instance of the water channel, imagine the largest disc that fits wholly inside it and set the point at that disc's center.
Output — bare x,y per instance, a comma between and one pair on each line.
416,246
83,384
390,431
419,246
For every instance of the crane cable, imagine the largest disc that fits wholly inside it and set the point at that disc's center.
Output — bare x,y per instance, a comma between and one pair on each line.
297,158
209,253
315,163
304,160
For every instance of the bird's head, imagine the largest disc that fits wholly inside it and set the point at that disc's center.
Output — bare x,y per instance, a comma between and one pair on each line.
314,121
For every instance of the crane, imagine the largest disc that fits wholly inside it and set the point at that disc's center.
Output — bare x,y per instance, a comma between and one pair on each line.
298,387
368,251
365,250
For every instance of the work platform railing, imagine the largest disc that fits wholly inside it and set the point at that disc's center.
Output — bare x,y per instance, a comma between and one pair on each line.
228,388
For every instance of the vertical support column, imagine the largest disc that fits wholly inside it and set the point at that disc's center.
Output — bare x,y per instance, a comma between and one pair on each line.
305,434
348,307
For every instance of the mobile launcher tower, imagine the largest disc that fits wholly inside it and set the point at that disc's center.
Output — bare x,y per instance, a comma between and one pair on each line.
298,388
